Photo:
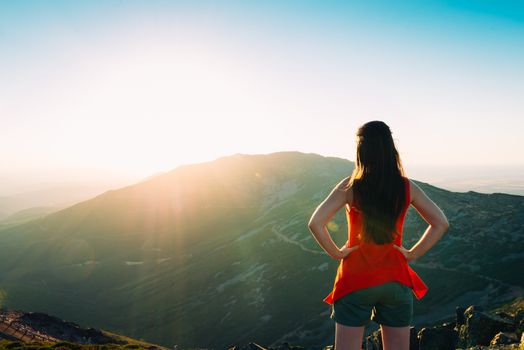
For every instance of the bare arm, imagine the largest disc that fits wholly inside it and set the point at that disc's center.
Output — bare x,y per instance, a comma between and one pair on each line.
324,212
433,215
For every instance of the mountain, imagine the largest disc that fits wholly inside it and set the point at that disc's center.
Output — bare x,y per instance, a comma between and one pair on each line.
216,253
47,198
26,215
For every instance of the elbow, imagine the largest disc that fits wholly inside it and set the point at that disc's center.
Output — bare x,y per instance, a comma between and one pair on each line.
446,223
443,225
313,226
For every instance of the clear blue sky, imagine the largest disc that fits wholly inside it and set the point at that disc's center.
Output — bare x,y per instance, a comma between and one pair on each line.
136,87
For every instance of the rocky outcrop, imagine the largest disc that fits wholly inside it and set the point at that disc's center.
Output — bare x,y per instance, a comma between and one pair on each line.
479,327
443,337
26,327
473,328
65,330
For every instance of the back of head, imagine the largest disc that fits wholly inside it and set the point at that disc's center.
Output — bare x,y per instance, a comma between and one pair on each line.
378,186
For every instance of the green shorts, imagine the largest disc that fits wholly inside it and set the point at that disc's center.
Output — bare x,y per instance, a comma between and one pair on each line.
389,304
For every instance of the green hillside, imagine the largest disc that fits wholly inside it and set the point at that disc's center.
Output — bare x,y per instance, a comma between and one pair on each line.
216,253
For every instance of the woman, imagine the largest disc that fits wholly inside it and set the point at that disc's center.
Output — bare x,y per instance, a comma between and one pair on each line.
374,280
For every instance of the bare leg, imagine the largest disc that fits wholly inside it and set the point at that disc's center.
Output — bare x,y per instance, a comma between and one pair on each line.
348,338
395,338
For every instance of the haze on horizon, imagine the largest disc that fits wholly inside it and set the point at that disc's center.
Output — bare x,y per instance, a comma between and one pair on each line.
116,91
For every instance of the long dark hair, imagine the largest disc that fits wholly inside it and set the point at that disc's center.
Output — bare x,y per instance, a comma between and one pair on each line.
378,186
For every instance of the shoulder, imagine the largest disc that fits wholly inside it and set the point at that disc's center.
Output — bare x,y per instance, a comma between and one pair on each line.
345,186
414,190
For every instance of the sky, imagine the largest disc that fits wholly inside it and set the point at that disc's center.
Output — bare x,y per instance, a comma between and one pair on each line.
125,89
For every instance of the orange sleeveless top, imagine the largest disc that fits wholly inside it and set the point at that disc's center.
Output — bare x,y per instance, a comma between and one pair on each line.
373,264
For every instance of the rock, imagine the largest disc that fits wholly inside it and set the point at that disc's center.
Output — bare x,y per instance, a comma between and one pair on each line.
255,346
64,330
504,338
480,327
519,316
374,341
413,338
436,338
518,319
504,316
460,315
